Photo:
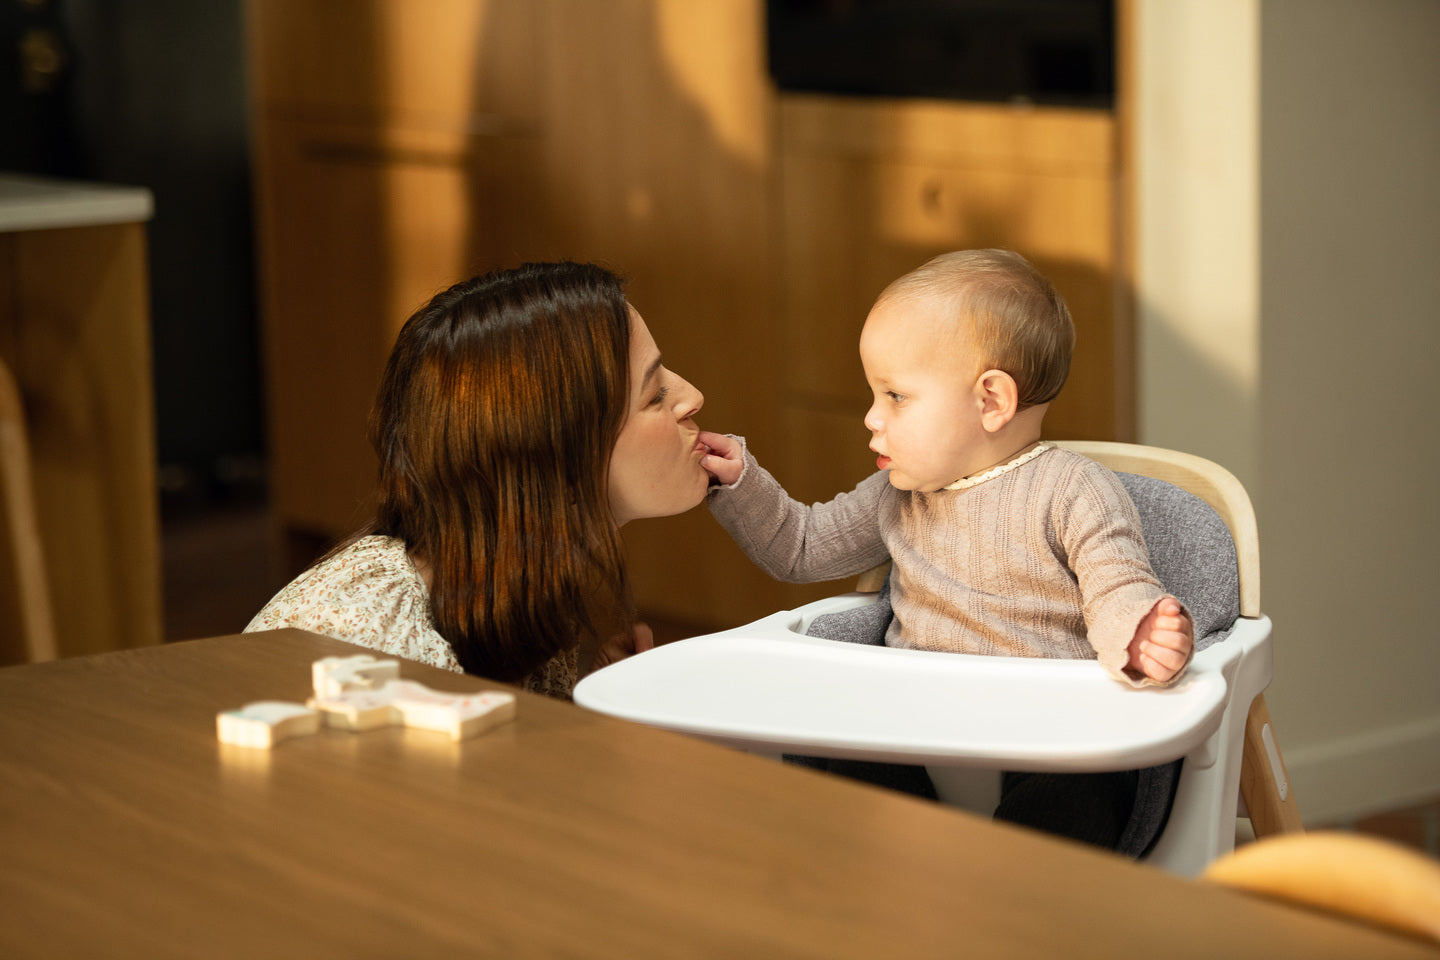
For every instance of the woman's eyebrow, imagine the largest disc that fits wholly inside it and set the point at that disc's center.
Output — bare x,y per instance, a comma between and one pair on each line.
651,370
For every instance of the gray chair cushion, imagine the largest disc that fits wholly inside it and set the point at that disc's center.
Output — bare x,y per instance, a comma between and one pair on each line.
858,625
1191,552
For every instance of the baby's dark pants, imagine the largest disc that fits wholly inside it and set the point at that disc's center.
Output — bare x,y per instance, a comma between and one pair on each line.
1093,808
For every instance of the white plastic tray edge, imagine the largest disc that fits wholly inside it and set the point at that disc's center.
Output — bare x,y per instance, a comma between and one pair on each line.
629,690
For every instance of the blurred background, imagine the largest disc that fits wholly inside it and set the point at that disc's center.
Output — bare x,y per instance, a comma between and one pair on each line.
1238,198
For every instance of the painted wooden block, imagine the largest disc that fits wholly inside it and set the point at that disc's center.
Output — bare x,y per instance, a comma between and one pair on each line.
364,693
265,723
334,675
462,715
357,710
411,704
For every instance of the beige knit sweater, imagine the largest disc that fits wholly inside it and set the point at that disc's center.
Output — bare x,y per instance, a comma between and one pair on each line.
1044,560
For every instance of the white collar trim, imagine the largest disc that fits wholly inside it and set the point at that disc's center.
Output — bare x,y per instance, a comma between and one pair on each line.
965,483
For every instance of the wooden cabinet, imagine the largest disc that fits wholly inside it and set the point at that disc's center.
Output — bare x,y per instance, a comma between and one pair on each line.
870,189
386,136
401,146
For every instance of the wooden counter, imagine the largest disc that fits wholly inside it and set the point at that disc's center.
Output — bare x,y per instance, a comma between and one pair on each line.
75,332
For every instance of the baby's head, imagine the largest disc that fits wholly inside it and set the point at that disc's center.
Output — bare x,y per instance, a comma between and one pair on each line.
963,355
990,309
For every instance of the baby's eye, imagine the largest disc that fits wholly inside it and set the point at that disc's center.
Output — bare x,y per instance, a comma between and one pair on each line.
894,397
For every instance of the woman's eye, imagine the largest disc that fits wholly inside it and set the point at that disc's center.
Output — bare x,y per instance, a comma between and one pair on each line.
660,396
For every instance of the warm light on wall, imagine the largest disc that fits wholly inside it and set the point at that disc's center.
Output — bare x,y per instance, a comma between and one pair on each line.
709,72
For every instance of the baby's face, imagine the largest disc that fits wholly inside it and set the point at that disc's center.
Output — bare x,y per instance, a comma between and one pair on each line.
925,421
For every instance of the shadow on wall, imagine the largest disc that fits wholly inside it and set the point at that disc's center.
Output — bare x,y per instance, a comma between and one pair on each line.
1193,391
652,160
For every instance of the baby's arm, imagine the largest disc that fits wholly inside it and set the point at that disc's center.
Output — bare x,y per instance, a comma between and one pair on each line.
787,539
1128,615
636,640
1163,641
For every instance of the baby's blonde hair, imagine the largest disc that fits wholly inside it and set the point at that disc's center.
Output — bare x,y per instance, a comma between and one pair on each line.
1017,321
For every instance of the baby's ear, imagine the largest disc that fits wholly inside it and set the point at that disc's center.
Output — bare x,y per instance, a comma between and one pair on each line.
999,399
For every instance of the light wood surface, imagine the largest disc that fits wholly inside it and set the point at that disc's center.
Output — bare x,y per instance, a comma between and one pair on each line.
1264,781
127,829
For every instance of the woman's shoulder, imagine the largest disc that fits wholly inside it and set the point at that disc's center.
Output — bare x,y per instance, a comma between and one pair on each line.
367,593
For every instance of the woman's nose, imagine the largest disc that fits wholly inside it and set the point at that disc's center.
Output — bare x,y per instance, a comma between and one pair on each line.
688,400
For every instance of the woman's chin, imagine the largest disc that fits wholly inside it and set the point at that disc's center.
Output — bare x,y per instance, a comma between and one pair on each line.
680,497
699,487
695,486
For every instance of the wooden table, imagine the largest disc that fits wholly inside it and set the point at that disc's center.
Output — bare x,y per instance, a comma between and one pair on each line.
126,830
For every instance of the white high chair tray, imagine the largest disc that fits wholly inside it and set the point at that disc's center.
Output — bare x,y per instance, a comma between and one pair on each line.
765,688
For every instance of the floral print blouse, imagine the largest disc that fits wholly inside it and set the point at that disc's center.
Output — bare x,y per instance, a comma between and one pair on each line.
370,594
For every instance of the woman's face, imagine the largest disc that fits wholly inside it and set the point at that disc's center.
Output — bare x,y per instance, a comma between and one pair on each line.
655,468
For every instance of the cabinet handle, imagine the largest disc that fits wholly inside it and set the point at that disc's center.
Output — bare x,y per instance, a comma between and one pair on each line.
374,155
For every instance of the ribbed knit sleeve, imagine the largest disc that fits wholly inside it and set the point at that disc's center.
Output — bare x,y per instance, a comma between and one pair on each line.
797,543
1100,530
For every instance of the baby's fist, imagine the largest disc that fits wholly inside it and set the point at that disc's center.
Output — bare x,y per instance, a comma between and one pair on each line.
1163,641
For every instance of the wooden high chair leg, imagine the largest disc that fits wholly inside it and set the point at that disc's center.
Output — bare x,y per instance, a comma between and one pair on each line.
1264,783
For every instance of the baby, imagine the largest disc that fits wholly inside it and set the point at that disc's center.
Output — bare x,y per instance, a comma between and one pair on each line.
1002,544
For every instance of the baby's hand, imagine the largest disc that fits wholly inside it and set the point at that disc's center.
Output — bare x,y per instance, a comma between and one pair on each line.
726,459
1162,641
638,640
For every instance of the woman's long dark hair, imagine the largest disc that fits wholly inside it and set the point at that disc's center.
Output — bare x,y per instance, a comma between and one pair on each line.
494,423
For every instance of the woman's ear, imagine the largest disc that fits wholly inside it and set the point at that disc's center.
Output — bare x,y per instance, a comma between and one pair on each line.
999,399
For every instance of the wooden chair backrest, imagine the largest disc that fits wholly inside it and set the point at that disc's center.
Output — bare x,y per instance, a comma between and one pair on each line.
1205,479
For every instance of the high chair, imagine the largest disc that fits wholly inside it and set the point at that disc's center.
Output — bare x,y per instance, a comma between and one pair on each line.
771,688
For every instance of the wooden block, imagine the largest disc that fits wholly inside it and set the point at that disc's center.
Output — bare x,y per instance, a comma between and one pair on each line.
332,676
462,715
265,723
357,710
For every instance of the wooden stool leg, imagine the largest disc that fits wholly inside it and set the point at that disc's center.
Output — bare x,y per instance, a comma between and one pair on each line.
1264,783
37,623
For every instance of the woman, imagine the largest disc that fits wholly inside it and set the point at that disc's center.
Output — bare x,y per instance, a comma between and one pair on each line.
523,417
